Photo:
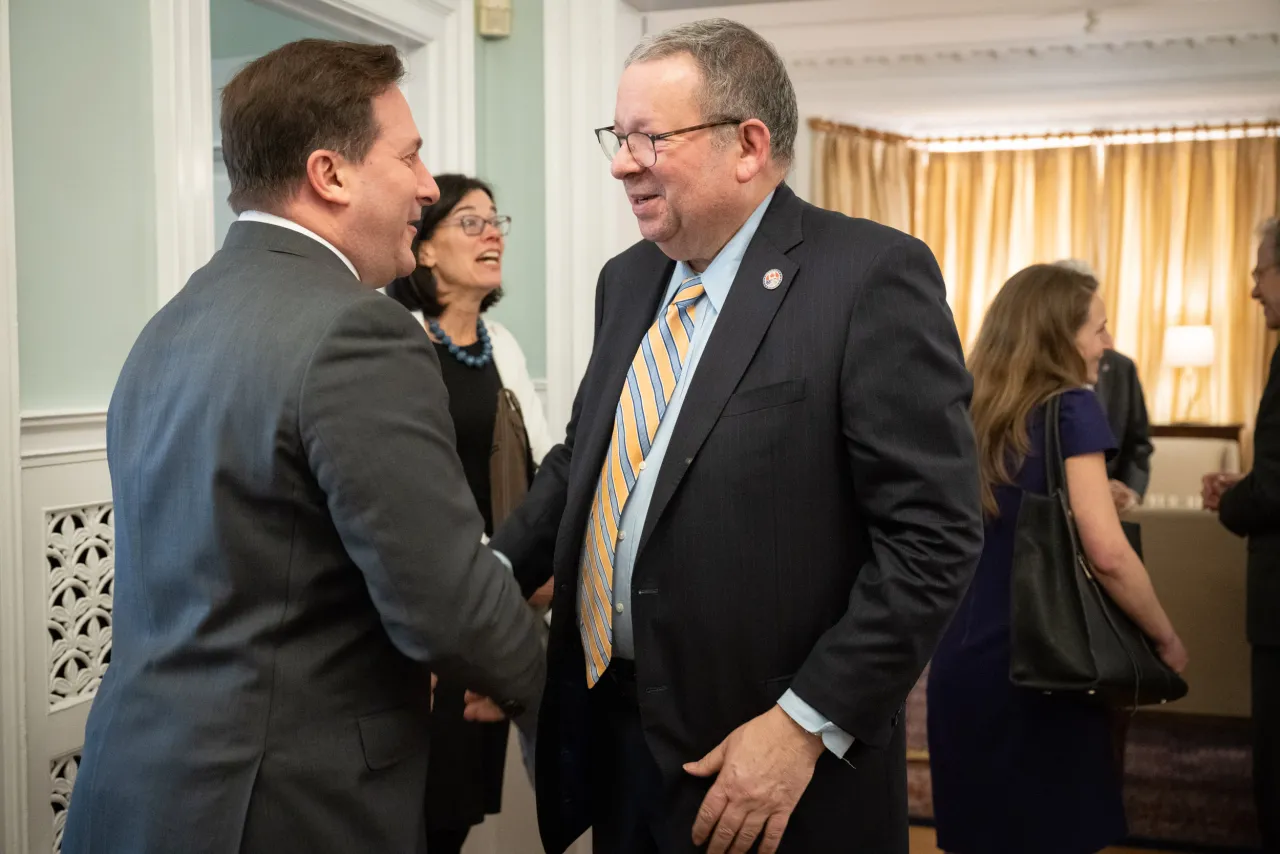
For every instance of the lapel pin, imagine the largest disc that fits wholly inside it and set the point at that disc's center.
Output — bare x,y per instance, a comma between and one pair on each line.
772,279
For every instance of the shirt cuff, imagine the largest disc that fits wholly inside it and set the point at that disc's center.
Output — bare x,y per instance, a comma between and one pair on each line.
505,560
811,720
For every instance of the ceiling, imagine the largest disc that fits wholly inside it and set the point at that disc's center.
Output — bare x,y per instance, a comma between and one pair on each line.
963,66
656,5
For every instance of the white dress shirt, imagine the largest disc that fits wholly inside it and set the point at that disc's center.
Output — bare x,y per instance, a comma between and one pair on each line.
272,219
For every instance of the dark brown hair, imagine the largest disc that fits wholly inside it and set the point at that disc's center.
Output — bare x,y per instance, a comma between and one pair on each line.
1025,354
305,96
418,291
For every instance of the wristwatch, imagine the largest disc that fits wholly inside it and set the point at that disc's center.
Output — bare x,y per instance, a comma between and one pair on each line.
511,708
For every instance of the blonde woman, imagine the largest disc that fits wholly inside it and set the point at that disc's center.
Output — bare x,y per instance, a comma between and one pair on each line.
1014,770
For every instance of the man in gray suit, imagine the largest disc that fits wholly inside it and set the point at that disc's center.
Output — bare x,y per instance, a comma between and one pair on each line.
295,537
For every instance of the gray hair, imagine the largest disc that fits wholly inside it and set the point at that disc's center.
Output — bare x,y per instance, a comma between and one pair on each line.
743,77
1270,233
1075,265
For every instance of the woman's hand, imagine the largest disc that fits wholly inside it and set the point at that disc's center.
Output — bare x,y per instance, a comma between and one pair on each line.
1173,653
480,709
541,597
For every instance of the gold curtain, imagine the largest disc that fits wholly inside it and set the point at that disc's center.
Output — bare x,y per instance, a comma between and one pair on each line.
1168,226
988,214
864,174
1178,224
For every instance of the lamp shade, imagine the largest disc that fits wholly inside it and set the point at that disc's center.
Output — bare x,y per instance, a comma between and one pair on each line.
1188,346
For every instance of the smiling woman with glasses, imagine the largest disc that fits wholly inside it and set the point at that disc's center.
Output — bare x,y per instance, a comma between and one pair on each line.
501,435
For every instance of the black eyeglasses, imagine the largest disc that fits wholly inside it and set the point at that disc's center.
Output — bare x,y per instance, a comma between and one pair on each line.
473,226
644,146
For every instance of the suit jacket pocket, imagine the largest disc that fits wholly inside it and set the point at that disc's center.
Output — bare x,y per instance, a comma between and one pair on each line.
391,736
764,397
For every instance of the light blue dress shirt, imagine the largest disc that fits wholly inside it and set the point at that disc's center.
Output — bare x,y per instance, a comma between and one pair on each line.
716,280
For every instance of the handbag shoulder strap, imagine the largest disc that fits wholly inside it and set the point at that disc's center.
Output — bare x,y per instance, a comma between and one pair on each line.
1055,467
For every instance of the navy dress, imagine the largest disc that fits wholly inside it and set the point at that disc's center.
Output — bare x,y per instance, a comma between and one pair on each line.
1016,771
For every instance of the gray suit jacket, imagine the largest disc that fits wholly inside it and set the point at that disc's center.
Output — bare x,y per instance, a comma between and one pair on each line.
295,542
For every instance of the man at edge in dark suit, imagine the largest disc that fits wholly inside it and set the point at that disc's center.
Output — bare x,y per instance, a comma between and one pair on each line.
766,508
1249,506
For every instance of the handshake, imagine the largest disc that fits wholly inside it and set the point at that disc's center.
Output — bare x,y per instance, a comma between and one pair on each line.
477,707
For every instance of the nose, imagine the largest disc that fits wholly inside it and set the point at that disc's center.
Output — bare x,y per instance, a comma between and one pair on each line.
428,192
623,164
1107,341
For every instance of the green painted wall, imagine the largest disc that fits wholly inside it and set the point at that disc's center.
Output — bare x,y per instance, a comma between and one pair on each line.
84,194
510,146
240,28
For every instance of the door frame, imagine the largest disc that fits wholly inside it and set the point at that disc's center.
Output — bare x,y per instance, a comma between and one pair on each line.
13,750
434,37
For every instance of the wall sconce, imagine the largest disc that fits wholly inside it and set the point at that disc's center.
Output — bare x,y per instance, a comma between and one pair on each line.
493,18
1189,347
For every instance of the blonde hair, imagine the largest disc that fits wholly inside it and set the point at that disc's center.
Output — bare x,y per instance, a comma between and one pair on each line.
1025,354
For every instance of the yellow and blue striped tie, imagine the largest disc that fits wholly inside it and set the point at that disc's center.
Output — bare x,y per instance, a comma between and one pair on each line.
651,381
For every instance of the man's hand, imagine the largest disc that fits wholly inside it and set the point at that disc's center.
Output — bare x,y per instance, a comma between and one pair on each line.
763,768
1124,497
1213,485
541,597
434,680
480,709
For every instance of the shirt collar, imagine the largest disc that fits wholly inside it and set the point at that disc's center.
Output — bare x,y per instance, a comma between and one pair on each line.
272,219
720,273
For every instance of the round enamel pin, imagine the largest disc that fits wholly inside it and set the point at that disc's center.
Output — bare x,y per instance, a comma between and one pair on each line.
772,279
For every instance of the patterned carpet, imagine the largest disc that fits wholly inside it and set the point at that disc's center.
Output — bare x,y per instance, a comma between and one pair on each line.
1187,779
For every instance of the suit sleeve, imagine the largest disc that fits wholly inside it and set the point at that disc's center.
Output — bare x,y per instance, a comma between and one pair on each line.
904,398
1252,506
528,536
1136,447
376,429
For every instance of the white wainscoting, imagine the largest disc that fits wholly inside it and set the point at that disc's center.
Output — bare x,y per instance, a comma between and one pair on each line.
63,602
66,577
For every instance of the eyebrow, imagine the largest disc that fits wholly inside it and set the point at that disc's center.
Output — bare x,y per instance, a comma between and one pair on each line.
417,146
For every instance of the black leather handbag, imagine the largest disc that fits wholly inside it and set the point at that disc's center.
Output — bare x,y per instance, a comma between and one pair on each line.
1066,634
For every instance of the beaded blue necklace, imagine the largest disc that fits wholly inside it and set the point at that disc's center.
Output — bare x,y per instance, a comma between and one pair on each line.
459,353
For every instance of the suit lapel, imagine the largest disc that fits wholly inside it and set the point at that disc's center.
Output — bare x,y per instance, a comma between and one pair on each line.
639,297
748,311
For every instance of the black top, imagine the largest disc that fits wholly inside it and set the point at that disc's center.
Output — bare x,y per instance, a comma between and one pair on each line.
464,776
473,403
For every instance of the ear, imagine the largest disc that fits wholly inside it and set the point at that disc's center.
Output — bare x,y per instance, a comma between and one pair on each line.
755,145
426,254
329,176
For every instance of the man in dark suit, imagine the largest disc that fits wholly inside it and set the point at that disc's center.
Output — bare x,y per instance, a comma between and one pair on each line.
1249,506
295,537
767,505
1120,392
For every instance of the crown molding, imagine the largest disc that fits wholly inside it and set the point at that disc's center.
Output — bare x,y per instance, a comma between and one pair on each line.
1046,56
855,33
